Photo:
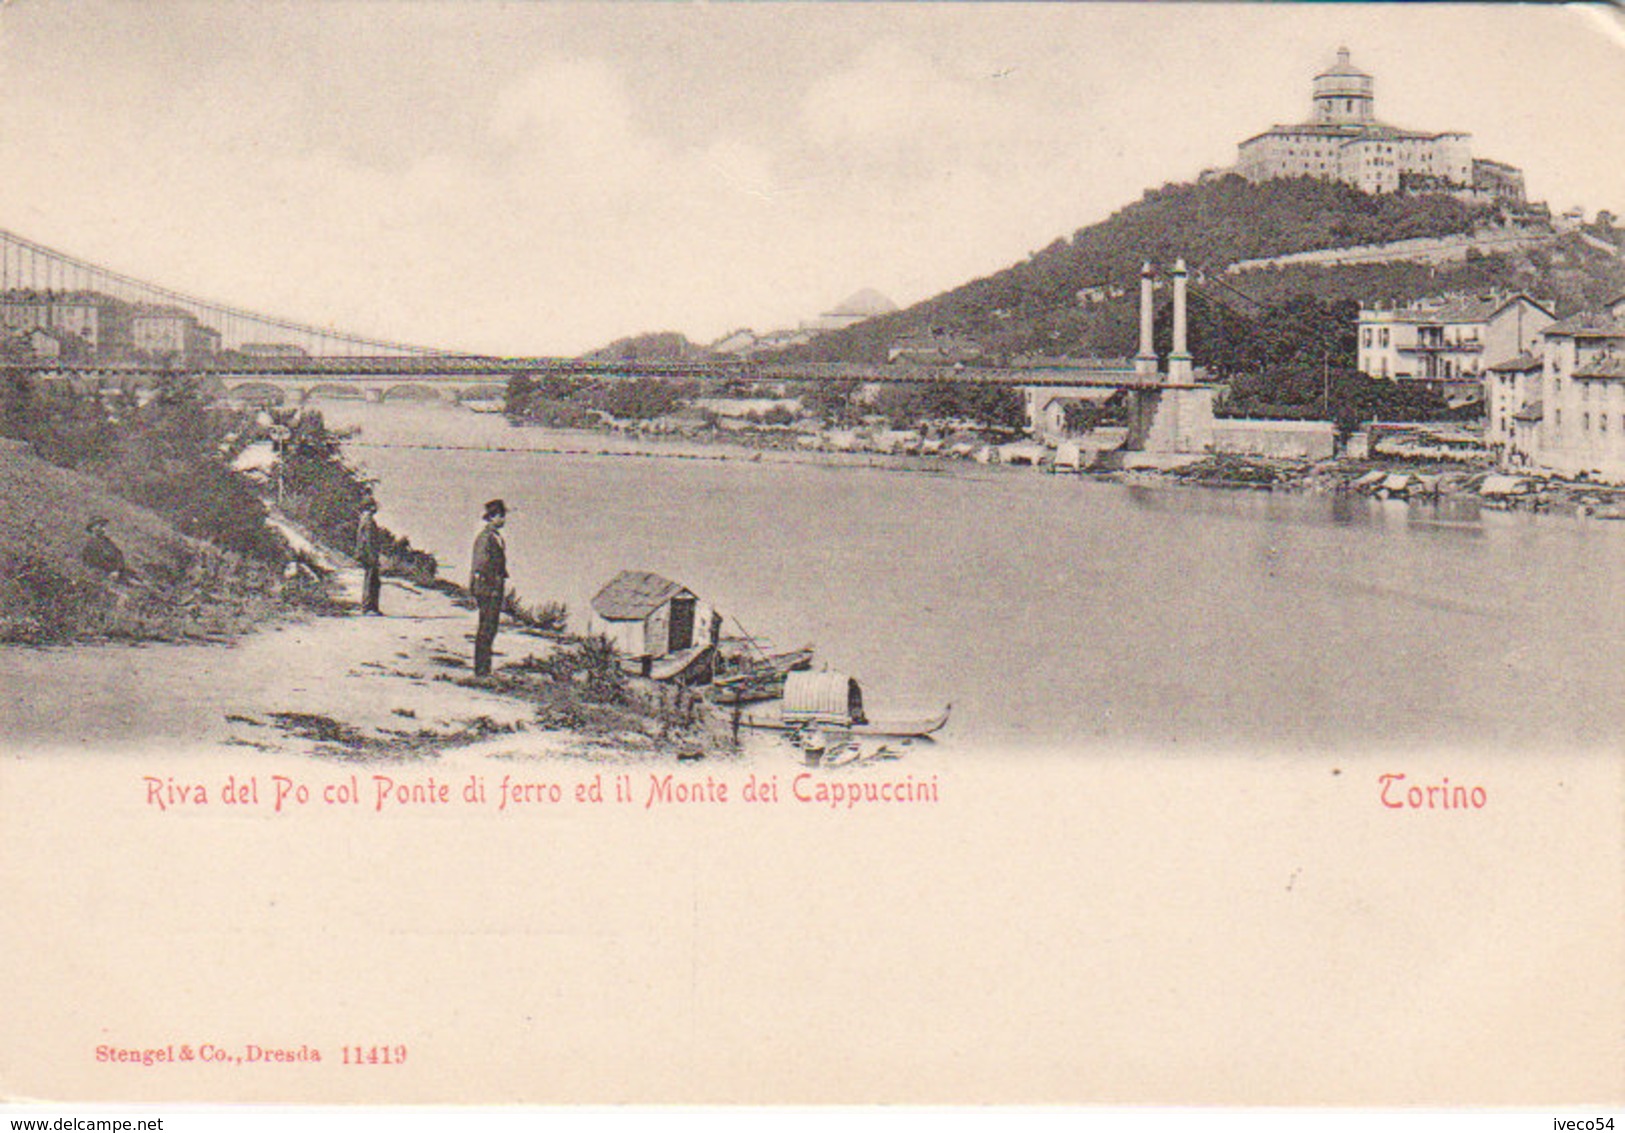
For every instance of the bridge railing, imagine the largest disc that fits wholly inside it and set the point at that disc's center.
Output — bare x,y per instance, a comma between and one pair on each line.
464,368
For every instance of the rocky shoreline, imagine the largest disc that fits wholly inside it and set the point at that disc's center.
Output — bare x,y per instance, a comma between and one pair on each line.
1382,475
1391,478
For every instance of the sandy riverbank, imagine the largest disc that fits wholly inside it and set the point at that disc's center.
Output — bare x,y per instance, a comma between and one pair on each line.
397,687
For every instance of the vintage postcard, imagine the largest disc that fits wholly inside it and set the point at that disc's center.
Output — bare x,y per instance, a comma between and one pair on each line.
789,554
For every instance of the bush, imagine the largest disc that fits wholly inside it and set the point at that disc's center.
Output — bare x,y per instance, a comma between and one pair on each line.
206,501
588,663
1352,398
40,604
548,617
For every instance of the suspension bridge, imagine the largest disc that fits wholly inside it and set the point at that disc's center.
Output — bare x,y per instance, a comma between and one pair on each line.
68,317
107,310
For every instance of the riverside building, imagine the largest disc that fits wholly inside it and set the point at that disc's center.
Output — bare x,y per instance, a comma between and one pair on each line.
1561,406
1451,338
1579,417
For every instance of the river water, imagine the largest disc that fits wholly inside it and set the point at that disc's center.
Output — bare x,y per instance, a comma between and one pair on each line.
1059,610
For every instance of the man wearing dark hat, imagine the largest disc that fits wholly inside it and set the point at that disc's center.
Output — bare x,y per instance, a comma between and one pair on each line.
102,553
366,553
488,583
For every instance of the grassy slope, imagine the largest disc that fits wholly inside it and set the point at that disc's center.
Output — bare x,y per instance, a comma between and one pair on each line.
185,587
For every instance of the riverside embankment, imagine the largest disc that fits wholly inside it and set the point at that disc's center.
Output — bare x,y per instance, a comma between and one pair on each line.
393,688
191,647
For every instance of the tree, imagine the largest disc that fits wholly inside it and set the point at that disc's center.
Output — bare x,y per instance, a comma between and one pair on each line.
829,401
639,399
520,390
1351,398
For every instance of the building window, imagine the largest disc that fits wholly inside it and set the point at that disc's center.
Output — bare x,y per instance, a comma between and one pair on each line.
1585,422
1385,336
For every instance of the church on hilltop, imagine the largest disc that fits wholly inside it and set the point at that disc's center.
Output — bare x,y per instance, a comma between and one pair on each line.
1344,141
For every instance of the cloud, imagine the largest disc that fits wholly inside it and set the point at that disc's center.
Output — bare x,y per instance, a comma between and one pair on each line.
552,181
578,104
894,96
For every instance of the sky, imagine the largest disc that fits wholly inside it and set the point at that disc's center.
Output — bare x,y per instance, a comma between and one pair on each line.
544,178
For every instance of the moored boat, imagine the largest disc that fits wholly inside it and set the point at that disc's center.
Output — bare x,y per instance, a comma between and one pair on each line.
830,701
689,666
760,678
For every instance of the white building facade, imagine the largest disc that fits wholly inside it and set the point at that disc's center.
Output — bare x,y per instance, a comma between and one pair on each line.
1582,404
1344,141
1453,338
1512,409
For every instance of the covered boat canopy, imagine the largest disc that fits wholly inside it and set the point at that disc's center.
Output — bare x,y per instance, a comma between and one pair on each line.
827,697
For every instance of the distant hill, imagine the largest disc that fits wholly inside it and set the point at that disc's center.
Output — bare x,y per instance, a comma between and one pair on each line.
664,345
865,304
1034,307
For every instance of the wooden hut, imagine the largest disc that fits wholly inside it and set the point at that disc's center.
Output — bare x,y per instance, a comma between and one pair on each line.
649,617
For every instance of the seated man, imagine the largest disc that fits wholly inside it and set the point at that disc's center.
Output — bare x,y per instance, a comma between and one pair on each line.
101,553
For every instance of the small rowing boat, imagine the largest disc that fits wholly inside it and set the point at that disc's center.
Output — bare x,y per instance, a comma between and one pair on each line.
758,679
899,728
686,666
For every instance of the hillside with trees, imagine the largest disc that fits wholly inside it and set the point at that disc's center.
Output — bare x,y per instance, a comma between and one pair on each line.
1034,307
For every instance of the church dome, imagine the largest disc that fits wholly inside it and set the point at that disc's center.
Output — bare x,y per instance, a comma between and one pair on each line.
1342,67
1343,93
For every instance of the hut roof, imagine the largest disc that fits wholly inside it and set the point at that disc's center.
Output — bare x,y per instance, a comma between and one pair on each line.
1588,324
633,595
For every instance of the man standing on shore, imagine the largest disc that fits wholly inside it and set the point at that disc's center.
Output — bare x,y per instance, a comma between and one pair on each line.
488,583
366,553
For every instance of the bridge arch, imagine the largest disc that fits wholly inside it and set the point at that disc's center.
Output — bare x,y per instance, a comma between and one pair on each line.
417,391
483,391
335,391
257,393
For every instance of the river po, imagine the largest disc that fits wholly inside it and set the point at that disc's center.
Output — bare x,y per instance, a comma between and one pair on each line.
1058,611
